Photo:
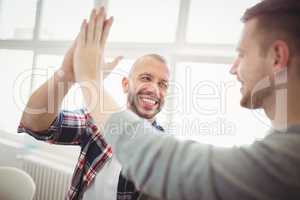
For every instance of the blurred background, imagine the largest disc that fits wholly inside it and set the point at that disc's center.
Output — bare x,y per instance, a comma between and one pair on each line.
198,38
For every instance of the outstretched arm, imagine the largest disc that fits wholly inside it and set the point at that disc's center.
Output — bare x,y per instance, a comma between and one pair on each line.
45,103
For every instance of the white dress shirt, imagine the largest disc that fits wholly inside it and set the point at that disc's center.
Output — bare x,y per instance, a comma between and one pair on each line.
105,184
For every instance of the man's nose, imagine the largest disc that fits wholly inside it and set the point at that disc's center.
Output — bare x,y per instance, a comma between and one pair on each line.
153,88
234,67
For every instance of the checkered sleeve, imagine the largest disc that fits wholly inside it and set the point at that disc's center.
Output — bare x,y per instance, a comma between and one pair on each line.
68,128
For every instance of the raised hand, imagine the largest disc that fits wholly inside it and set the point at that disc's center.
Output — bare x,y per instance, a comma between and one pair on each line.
68,65
89,65
89,51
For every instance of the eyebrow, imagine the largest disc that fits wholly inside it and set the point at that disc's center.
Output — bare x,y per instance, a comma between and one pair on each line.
165,81
148,74
145,74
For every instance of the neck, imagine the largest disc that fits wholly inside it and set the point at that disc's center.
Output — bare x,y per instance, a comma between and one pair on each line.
149,120
283,107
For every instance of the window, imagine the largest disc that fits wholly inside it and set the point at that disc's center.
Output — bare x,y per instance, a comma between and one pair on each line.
215,21
61,19
144,21
17,19
15,86
113,82
45,67
207,107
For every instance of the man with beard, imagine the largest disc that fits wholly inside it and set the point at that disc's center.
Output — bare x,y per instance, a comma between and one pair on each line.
144,99
268,68
97,175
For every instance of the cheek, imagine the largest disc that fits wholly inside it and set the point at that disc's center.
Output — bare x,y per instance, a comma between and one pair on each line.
243,71
248,70
255,75
138,86
132,91
163,95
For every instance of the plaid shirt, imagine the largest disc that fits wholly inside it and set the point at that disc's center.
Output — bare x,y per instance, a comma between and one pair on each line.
78,128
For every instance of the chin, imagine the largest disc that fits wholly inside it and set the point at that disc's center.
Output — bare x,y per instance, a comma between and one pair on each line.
146,115
249,105
252,102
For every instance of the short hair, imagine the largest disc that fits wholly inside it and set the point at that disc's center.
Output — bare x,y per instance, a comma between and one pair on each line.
156,57
152,55
277,19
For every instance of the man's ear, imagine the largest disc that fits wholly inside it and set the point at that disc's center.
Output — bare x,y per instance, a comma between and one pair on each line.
125,82
281,55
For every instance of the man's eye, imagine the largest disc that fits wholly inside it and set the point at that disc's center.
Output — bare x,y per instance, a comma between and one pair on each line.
164,85
240,55
145,78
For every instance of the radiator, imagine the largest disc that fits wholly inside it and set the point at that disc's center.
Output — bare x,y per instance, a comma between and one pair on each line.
52,180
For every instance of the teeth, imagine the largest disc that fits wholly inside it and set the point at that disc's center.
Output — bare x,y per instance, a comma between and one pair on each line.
149,101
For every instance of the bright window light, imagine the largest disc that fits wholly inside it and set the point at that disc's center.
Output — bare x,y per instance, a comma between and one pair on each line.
113,82
15,85
207,106
144,21
216,21
17,19
61,19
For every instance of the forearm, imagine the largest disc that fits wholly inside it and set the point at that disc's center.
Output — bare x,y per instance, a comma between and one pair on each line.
45,103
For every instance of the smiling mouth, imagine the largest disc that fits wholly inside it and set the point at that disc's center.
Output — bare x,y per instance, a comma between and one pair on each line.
148,102
239,80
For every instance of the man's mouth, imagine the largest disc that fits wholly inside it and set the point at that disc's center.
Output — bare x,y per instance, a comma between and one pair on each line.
148,102
242,89
240,80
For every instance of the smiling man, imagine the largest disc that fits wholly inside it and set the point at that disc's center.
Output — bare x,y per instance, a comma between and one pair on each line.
143,98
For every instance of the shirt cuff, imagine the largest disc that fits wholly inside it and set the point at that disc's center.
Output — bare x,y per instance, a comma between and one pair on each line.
45,135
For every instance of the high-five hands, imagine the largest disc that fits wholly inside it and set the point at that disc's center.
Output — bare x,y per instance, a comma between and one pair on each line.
68,63
90,44
88,66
